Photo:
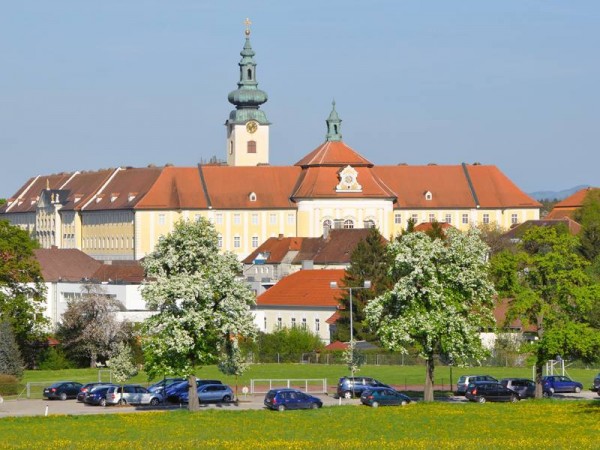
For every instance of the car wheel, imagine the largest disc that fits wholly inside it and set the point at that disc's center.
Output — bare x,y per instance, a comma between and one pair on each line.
551,390
347,394
314,406
102,402
404,403
281,408
577,389
226,399
122,401
481,400
546,394
375,404
514,399
154,401
63,396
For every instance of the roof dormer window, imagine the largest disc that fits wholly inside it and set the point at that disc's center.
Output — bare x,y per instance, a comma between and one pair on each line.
131,196
428,195
252,196
113,197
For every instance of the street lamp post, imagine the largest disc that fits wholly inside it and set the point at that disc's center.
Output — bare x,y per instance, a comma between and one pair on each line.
366,285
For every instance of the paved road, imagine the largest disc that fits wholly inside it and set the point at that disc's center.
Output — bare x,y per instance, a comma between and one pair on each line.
38,407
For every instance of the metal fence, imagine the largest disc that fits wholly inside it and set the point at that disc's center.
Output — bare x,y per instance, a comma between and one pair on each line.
309,385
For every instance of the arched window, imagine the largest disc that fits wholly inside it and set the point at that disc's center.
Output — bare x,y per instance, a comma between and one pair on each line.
251,146
326,226
348,223
369,223
250,74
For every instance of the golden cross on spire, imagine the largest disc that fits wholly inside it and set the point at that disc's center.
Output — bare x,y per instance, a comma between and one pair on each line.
247,23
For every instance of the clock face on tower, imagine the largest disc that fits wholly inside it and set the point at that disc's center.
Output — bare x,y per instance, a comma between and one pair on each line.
252,126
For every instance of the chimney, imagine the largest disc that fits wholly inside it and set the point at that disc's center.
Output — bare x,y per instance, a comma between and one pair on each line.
280,237
307,264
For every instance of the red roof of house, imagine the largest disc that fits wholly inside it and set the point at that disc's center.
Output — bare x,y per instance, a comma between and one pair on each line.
426,226
175,188
120,272
65,264
518,231
500,312
304,288
334,153
568,206
333,318
277,248
337,345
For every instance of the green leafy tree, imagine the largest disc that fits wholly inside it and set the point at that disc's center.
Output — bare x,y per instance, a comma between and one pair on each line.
232,361
549,288
288,343
122,364
22,292
11,362
589,218
440,300
201,303
369,261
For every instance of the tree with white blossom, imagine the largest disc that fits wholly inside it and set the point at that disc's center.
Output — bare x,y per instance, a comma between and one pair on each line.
200,300
440,300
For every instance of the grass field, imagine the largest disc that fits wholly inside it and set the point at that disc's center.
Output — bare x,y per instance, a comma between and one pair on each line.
524,425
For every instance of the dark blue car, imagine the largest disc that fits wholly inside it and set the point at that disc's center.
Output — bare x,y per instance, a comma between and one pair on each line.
560,383
97,396
379,396
282,399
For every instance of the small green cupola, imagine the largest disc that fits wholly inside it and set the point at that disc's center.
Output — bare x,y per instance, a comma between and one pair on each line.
334,124
247,98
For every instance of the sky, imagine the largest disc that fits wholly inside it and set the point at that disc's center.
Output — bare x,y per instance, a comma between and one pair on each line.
87,85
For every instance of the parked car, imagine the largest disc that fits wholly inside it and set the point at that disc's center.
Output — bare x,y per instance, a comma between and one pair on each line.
354,386
382,397
132,394
97,396
560,383
465,380
85,389
62,390
524,387
282,399
490,391
210,393
164,383
174,391
596,384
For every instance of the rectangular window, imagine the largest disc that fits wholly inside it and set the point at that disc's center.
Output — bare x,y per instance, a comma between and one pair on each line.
448,218
251,146
432,217
197,217
486,218
293,322
220,241
237,219
219,219
237,242
254,241
265,324
254,219
273,219
398,219
514,219
290,219
161,219
465,218
415,218
317,325
304,323
279,323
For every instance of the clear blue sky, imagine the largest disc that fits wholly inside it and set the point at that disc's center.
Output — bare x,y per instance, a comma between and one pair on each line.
87,85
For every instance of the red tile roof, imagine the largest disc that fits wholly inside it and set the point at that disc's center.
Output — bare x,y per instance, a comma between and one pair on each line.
65,264
175,188
426,226
336,346
568,206
518,231
494,189
277,249
334,153
500,313
333,318
26,198
306,288
336,248
230,187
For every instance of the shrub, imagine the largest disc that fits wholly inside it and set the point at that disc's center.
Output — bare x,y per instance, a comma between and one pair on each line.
55,359
11,362
9,385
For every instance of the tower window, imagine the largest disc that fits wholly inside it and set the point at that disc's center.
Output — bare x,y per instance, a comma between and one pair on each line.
251,146
250,74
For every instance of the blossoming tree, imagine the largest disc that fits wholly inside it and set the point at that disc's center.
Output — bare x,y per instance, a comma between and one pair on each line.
201,303
440,300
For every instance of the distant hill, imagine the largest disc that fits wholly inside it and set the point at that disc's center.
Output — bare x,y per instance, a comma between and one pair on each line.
559,195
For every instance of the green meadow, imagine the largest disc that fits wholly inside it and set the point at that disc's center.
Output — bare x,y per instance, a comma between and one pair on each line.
544,424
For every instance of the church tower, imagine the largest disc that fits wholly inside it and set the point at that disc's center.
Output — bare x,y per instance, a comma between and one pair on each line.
247,126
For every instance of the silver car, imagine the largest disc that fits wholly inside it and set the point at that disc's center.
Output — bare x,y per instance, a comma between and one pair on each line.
132,394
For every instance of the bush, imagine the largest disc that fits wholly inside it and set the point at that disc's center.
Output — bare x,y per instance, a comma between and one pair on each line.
55,359
11,362
9,385
287,344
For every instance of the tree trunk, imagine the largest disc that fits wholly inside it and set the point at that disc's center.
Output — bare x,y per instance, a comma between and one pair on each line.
429,369
193,402
93,360
539,389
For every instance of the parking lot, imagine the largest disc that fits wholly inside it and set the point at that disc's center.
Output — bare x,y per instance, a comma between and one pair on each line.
37,407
